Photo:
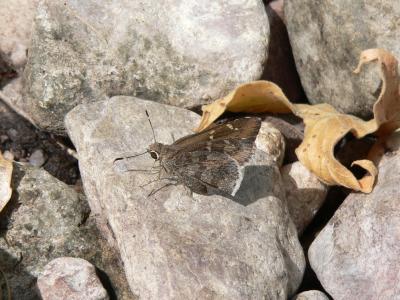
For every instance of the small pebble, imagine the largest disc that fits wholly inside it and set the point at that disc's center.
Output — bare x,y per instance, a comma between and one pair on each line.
8,155
37,158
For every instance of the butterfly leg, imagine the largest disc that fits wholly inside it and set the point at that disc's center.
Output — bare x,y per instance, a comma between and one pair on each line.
160,188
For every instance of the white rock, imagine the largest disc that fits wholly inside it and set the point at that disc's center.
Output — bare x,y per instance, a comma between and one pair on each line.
175,244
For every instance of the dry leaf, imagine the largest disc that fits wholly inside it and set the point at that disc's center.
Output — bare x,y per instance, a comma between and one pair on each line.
6,168
324,126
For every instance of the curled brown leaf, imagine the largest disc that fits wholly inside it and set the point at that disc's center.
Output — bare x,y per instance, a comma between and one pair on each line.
324,125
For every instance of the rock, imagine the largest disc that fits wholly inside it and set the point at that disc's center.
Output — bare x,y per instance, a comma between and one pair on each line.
46,219
37,158
326,51
280,67
292,129
184,53
176,244
271,141
70,278
357,254
311,295
304,194
16,18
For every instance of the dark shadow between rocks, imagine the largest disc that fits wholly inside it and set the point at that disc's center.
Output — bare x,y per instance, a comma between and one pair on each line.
18,278
107,284
280,66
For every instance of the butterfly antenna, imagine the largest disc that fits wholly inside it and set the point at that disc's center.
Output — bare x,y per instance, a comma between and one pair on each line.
151,125
127,157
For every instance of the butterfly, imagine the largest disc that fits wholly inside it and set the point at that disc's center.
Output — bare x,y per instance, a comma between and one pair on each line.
211,161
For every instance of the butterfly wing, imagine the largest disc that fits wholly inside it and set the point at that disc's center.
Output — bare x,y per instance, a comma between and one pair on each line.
234,138
203,171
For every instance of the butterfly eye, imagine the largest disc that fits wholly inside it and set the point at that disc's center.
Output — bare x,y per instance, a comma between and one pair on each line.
154,155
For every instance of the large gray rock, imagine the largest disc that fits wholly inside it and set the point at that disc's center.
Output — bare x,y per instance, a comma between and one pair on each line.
46,219
175,244
357,254
184,53
327,40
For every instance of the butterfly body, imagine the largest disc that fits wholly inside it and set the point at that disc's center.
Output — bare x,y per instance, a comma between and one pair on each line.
212,160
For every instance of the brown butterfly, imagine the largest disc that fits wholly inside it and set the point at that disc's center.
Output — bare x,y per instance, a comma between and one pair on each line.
211,161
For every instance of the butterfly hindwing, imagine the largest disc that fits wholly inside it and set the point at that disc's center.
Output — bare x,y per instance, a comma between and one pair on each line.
203,171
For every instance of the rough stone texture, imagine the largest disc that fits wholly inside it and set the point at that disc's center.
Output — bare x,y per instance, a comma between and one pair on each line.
46,219
184,53
357,254
280,67
175,244
327,40
70,278
304,194
16,18
311,295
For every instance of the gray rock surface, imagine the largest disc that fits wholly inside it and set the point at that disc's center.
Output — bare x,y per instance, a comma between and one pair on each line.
357,254
311,295
70,278
175,244
304,194
184,53
327,40
46,219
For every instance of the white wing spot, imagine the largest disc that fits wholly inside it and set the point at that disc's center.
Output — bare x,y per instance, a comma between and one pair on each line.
211,137
229,126
236,129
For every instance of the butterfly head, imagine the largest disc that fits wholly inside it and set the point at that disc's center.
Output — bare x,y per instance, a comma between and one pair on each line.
155,150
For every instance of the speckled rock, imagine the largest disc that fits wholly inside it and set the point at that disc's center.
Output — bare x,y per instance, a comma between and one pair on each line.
176,244
46,219
311,295
304,193
70,278
184,53
327,40
357,254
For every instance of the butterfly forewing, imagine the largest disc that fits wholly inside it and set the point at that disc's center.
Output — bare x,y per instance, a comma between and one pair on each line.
234,138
